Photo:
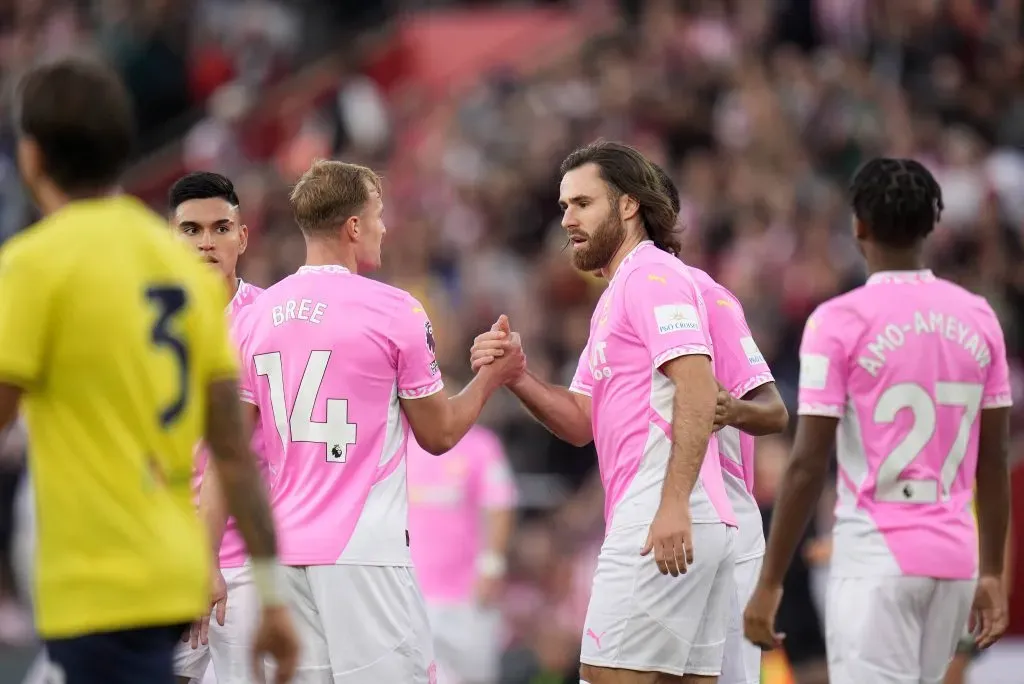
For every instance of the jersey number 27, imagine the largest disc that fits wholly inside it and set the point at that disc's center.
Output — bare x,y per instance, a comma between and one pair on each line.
335,433
890,486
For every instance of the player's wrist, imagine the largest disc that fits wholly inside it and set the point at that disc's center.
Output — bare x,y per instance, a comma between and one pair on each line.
269,580
491,564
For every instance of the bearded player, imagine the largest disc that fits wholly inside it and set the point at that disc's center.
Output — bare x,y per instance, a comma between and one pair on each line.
204,210
645,392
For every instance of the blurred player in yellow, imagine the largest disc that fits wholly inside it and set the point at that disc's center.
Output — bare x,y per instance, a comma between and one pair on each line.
113,342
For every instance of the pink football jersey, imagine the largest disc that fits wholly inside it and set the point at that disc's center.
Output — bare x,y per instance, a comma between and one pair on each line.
448,497
650,313
740,367
232,548
326,356
905,363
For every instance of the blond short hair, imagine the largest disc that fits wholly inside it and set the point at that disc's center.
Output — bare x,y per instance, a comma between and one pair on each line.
331,192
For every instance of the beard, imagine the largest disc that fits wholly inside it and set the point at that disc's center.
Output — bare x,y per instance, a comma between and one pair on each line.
600,247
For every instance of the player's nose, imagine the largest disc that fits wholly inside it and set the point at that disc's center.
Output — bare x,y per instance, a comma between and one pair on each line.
569,221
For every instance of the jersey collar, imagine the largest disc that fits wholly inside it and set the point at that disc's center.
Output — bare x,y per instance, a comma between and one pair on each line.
629,257
901,277
327,268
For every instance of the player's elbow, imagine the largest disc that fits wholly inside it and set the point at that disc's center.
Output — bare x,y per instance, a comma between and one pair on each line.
778,418
579,438
437,444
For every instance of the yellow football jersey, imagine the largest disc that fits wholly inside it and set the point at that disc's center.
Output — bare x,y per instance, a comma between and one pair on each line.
113,329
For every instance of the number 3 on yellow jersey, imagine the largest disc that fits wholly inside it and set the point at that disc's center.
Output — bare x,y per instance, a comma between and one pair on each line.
169,301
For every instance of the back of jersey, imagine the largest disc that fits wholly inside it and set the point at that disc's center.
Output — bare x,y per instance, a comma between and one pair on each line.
906,363
326,355
115,330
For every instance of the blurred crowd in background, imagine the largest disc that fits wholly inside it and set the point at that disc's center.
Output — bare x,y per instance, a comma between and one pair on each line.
760,111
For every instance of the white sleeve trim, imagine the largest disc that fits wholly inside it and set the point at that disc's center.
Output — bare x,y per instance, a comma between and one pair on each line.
576,388
422,392
752,383
247,397
823,410
997,401
685,350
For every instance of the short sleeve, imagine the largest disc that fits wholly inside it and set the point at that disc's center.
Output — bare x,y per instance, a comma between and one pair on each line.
497,489
240,328
413,336
583,380
823,368
739,363
221,357
27,301
665,310
998,392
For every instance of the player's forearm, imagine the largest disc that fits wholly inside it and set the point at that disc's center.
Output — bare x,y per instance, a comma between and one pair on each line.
798,493
241,483
993,489
462,412
760,412
499,531
555,408
213,510
693,417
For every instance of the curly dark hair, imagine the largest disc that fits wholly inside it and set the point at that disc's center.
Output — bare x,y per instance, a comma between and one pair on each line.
628,172
897,199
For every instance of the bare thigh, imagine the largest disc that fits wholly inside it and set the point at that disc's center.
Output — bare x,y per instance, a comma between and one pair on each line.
590,674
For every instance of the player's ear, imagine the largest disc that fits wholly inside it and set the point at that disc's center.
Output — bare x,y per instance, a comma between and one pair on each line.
352,228
243,238
30,159
628,207
860,230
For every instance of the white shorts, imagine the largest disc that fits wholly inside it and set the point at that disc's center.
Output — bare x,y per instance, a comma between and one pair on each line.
639,619
467,642
230,647
742,661
191,662
360,624
894,630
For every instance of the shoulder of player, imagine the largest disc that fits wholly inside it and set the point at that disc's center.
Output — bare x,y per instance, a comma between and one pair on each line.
661,269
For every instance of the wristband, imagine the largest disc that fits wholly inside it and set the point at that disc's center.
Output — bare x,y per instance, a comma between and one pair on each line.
268,578
491,564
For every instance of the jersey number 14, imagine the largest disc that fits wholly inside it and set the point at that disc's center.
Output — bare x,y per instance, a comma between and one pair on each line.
890,486
335,433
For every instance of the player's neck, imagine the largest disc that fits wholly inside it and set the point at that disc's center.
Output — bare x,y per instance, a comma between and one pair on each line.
319,253
51,199
881,260
232,279
627,246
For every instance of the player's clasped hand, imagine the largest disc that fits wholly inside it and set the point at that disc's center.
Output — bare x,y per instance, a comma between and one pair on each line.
499,343
723,409
759,618
671,537
989,614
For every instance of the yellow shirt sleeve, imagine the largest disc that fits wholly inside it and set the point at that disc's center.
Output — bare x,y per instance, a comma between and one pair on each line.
26,315
221,359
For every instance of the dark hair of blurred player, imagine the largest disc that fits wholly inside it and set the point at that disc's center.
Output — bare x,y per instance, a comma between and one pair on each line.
143,386
203,208
896,204
339,210
76,132
612,199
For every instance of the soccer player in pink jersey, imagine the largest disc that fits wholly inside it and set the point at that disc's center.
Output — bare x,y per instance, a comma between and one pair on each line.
645,393
339,367
749,404
461,515
204,210
908,374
